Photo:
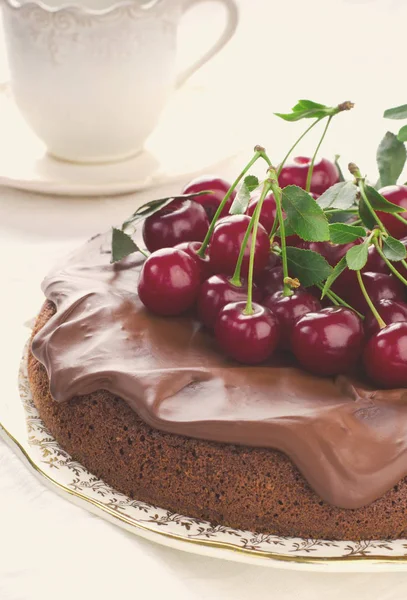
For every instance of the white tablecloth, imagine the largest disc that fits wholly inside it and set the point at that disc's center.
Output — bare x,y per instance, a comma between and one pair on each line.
52,549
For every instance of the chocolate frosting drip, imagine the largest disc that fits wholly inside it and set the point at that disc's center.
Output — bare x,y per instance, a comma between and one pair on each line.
349,441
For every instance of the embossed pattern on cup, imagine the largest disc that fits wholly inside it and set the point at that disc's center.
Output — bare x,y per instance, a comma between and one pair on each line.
92,83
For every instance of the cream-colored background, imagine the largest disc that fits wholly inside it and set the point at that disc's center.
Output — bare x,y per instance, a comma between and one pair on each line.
328,50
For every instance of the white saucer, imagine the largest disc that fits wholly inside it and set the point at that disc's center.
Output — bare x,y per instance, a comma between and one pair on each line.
187,141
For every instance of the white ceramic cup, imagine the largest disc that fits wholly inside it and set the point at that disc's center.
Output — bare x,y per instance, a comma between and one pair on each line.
92,81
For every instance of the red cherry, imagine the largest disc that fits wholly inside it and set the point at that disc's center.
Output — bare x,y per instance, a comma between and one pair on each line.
328,342
216,292
249,339
203,264
270,281
169,282
179,221
268,210
390,311
379,286
210,202
288,309
226,241
385,356
324,175
397,194
375,263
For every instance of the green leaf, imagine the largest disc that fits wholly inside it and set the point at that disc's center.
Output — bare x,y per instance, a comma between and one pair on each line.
340,195
366,215
402,134
310,267
242,199
304,215
337,270
379,202
341,216
149,208
122,245
391,157
393,249
307,104
398,112
312,113
306,109
356,257
287,229
341,233
338,166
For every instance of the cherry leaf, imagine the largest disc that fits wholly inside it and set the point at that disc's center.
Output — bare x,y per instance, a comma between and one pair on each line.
356,257
341,195
402,134
342,233
122,245
304,215
308,266
391,157
393,249
242,199
398,112
337,270
379,202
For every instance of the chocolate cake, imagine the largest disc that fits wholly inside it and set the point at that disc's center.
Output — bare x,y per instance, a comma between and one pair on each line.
151,406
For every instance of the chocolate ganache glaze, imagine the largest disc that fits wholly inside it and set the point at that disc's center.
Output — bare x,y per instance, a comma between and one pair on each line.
348,440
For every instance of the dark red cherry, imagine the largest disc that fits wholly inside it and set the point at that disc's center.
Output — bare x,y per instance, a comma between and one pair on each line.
216,292
375,263
249,339
268,210
390,311
328,342
397,194
203,264
270,281
169,282
324,175
179,221
226,241
210,202
385,356
288,309
379,286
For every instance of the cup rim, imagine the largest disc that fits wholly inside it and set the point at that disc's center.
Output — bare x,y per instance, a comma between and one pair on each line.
84,10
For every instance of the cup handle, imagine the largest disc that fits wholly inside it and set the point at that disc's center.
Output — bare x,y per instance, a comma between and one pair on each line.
230,28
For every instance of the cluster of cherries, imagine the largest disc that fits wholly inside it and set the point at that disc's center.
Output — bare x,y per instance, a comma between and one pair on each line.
189,272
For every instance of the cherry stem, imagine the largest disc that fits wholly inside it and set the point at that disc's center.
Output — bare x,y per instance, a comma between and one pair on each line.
311,167
259,153
388,263
354,170
280,168
255,220
400,218
287,291
236,279
404,263
369,301
338,301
